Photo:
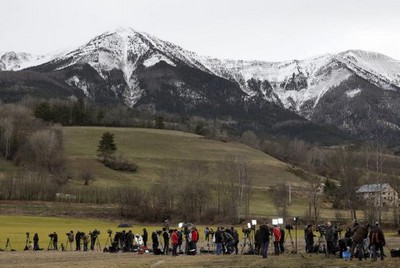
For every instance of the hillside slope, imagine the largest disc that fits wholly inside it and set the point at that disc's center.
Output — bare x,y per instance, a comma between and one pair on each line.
154,150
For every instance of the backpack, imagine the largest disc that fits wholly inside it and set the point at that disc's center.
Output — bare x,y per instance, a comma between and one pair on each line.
375,236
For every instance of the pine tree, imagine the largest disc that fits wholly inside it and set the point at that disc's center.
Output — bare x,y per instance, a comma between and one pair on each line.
106,146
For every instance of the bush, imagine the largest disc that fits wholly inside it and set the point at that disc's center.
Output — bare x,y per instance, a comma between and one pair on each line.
121,164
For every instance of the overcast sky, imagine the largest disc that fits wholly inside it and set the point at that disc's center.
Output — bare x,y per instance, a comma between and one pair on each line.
246,29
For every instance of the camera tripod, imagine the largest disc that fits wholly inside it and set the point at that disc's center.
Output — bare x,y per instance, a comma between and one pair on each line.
51,244
96,244
27,242
289,234
8,245
109,241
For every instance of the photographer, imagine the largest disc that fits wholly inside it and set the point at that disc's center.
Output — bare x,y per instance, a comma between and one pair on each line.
218,241
264,236
78,237
70,237
330,239
361,232
309,237
165,235
36,242
55,241
145,237
175,241
257,239
86,240
277,238
93,237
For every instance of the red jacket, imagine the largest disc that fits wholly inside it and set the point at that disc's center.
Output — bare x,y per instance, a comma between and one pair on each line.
277,234
174,238
195,236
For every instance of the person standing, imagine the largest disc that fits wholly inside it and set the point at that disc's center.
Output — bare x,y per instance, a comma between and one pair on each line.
145,237
71,240
257,240
330,238
277,238
78,237
361,232
218,241
55,241
309,236
166,241
194,238
207,234
129,241
174,241
36,242
282,241
236,238
154,238
86,239
377,241
264,237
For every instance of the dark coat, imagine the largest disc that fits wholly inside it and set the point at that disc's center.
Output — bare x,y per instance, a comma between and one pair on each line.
360,234
264,233
330,234
376,236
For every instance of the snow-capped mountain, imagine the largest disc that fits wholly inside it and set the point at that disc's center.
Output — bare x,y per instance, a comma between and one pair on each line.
299,84
13,61
140,70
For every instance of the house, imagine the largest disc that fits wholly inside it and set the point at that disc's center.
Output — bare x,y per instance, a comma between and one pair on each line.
380,194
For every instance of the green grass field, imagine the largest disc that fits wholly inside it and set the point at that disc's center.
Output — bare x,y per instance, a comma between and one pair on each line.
15,227
154,150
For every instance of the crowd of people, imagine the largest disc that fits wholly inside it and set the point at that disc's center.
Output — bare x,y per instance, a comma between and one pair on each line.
365,238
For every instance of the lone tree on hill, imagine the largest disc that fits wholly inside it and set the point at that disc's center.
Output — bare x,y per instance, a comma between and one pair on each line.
106,146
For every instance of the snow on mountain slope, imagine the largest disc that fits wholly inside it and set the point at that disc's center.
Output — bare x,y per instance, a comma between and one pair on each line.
299,84
125,49
13,61
295,84
380,69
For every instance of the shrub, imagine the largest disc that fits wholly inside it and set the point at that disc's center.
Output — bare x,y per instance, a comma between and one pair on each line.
121,164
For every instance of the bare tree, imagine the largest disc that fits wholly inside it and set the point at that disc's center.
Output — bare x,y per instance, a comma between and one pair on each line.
345,168
234,185
315,196
87,177
281,199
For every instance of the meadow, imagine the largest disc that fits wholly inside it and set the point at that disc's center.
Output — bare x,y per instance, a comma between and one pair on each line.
15,227
154,149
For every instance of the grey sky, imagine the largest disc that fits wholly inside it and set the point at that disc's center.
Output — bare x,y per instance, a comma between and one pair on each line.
247,29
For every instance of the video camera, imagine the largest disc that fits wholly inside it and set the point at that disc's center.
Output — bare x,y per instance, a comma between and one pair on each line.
289,227
52,235
94,233
246,231
321,229
109,232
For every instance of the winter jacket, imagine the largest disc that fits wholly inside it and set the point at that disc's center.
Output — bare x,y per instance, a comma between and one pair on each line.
264,233
277,234
360,234
330,234
376,236
174,238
